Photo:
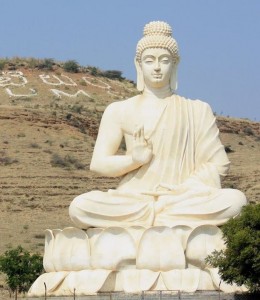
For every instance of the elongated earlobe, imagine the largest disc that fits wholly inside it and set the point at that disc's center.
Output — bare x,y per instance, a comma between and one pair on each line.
173,80
140,77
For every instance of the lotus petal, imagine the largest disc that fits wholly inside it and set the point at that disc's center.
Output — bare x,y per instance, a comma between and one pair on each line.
71,250
186,280
93,234
51,280
205,281
86,282
48,251
135,281
113,283
114,249
202,241
183,232
136,233
222,285
160,250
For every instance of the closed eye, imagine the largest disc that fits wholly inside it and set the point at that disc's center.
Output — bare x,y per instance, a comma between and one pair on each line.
165,60
148,61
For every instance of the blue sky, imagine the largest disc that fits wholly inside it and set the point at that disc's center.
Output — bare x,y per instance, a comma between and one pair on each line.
219,41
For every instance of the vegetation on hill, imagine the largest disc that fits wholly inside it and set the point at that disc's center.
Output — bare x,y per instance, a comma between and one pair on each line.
240,262
21,269
49,64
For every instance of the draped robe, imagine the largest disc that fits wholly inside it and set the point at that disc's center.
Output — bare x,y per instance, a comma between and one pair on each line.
186,150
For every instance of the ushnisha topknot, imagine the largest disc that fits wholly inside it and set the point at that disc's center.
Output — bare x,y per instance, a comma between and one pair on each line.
157,28
158,34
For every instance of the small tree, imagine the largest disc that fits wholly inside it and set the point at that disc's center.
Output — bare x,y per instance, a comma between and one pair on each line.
240,262
113,74
71,66
94,71
21,269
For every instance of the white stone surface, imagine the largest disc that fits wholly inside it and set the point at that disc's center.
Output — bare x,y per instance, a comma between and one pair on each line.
223,286
66,250
12,78
113,249
182,280
183,233
174,159
160,250
205,281
135,281
202,242
86,281
48,80
51,280
59,93
102,85
12,94
155,230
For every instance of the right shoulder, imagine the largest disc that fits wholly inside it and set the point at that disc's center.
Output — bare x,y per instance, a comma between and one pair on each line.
117,108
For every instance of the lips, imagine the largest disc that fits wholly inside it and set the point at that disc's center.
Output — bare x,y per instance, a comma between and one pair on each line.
157,75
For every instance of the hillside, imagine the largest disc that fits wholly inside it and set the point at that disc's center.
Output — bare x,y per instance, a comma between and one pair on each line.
48,124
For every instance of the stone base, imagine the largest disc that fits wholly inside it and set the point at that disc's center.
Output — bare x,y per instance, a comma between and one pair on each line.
91,282
129,260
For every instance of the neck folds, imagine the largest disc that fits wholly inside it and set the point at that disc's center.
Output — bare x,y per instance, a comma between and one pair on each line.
161,93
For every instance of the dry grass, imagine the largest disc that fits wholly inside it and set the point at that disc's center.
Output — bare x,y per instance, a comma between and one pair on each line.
35,194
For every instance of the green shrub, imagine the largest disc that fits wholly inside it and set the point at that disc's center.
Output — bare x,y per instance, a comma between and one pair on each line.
71,66
248,131
5,161
228,149
113,74
46,64
33,62
21,268
67,162
240,262
21,134
35,145
39,236
49,142
94,71
77,108
2,63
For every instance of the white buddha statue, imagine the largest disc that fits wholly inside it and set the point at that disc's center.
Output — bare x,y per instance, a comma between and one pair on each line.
174,159
155,230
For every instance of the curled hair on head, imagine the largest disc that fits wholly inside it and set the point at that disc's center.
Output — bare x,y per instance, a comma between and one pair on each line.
158,34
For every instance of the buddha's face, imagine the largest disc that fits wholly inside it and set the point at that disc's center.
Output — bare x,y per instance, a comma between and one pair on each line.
156,65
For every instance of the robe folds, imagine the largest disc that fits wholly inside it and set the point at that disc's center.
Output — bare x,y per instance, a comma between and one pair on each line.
186,151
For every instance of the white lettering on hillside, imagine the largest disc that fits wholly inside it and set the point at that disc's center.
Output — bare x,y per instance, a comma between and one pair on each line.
45,79
91,81
14,78
10,80
104,85
11,94
59,93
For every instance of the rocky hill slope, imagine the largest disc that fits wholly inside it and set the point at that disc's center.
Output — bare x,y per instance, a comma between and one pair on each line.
48,124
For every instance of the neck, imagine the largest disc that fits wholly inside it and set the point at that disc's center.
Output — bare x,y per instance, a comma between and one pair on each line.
161,93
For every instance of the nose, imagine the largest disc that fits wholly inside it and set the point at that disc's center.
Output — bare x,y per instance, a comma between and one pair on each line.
157,66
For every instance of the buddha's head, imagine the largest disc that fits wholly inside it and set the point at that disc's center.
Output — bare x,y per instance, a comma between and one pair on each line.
158,44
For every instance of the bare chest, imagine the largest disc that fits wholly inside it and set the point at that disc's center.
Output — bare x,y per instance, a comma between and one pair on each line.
146,115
